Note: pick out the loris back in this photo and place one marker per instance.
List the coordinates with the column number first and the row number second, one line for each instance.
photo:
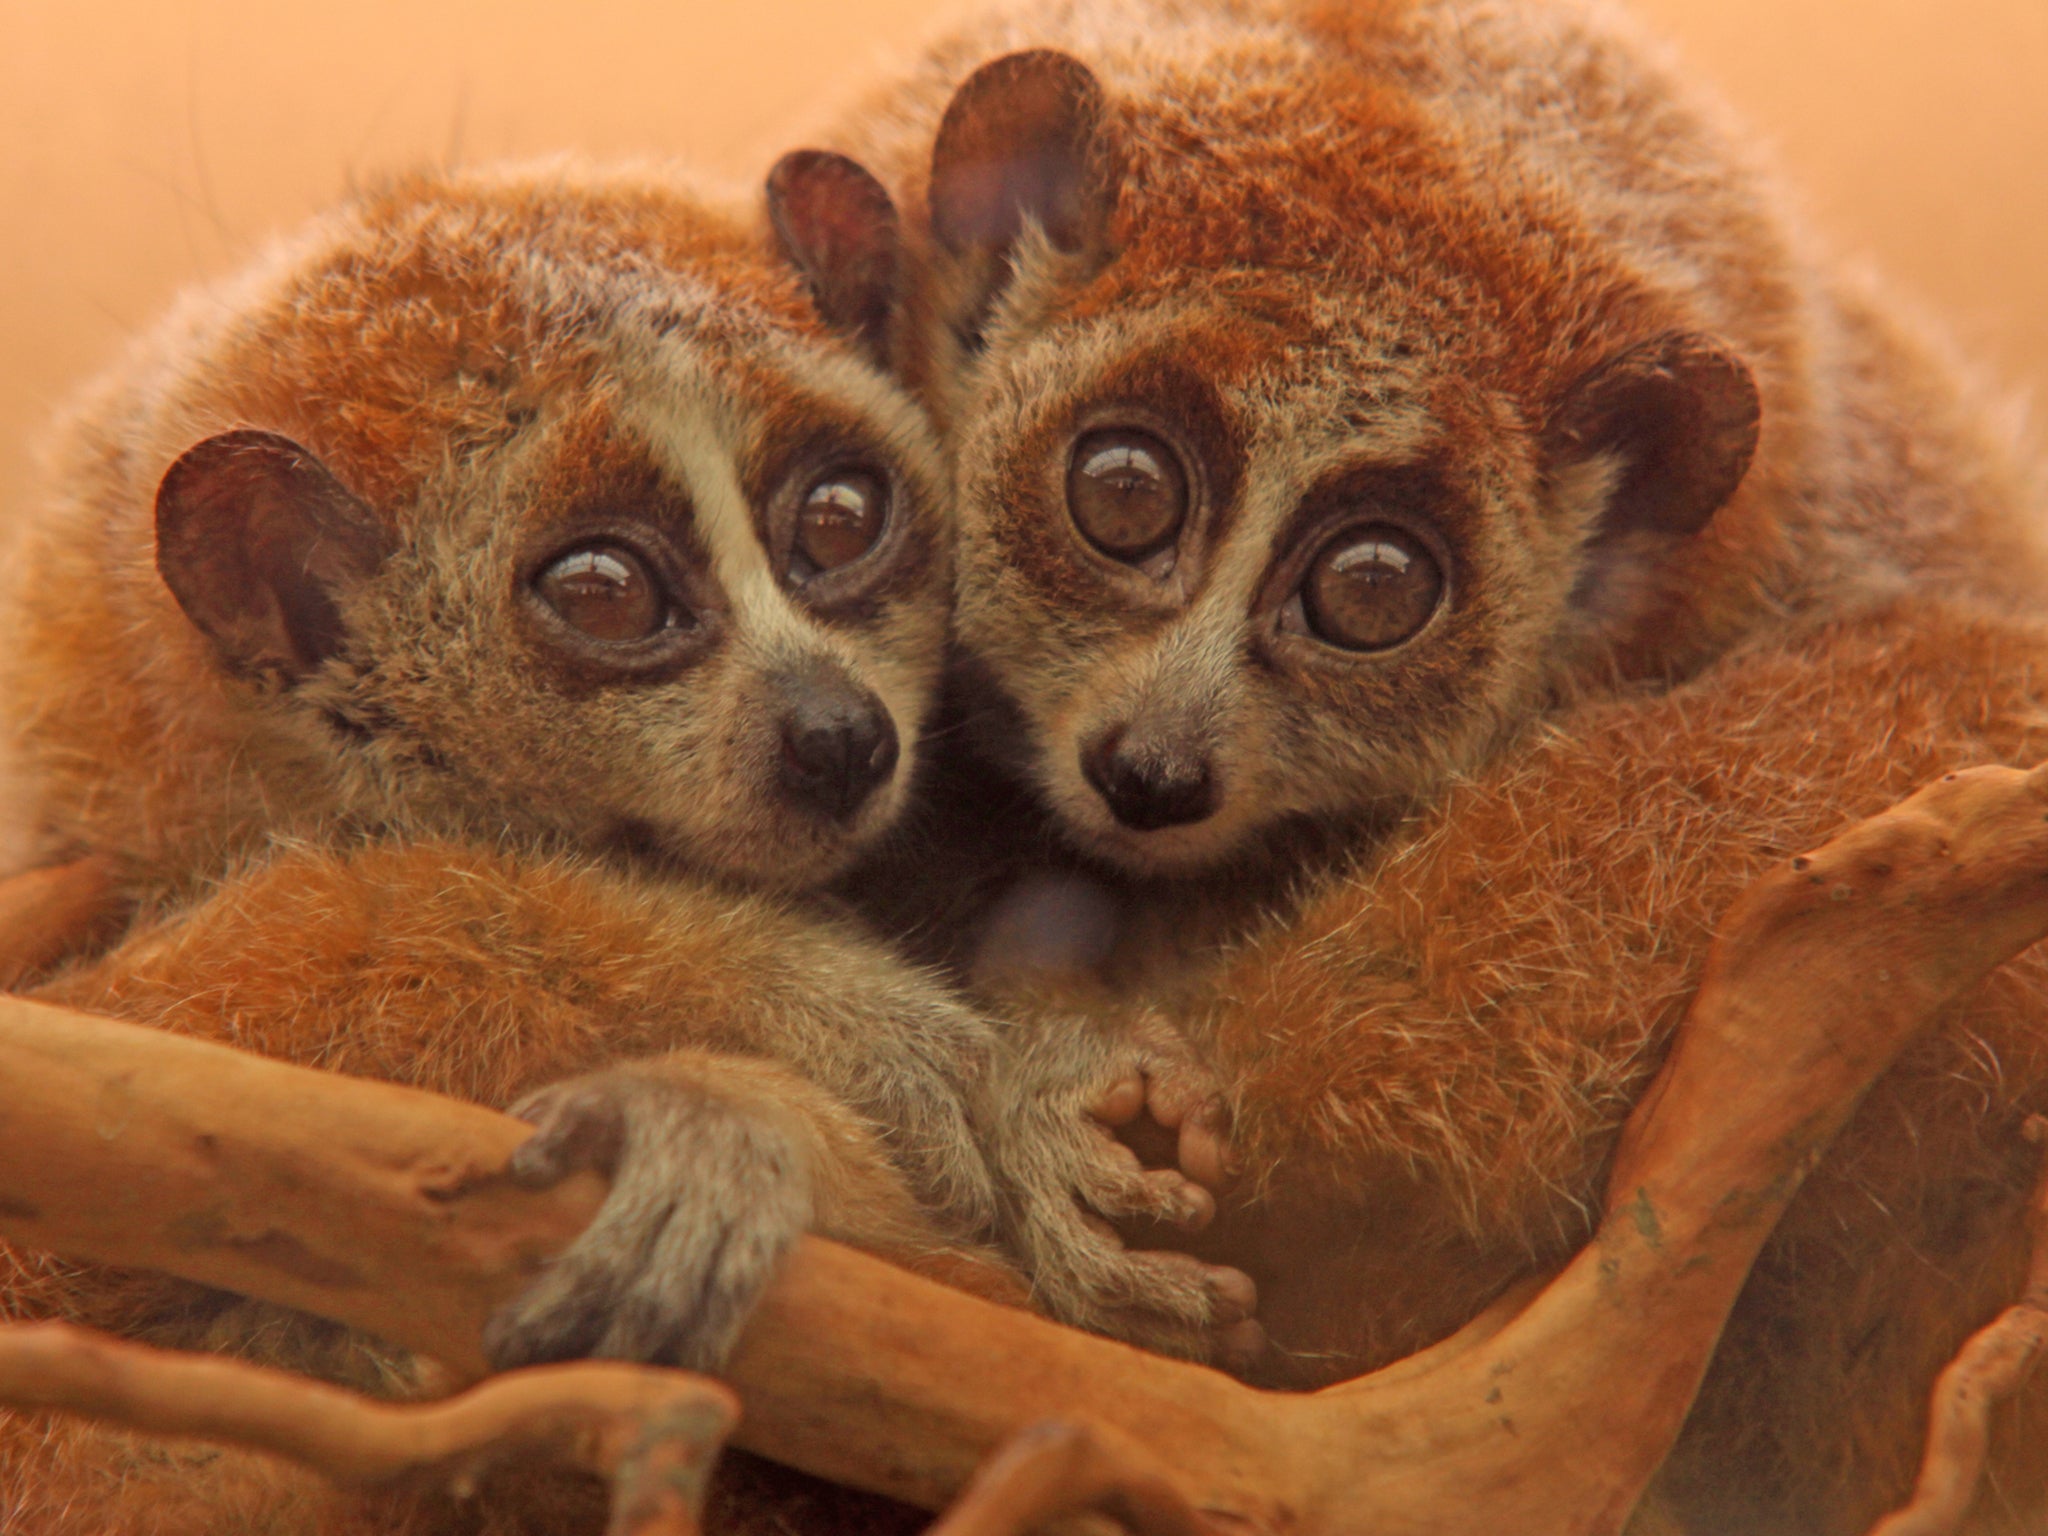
column 1433, row 527
column 478, row 627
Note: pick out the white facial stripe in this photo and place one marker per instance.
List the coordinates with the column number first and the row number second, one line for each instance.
column 1281, row 470
column 697, row 433
column 883, row 407
column 694, row 437
column 1194, row 668
column 675, row 400
column 1239, row 567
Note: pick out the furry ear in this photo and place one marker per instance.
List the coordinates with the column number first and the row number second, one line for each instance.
column 836, row 225
column 256, row 541
column 1679, row 415
column 1026, row 137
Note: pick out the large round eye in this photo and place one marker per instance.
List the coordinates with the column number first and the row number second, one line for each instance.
column 1371, row 588
column 1126, row 492
column 840, row 519
column 607, row 592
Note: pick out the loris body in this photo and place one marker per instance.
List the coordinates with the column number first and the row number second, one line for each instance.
column 1431, row 531
column 490, row 975
column 476, row 625
column 575, row 481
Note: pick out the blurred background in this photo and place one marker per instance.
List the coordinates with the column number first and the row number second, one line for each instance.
column 152, row 142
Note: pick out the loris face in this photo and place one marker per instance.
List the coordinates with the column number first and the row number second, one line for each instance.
column 605, row 535
column 1249, row 540
column 1234, row 567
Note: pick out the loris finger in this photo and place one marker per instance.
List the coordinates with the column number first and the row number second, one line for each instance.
column 1119, row 1187
column 1122, row 1102
column 1174, row 1091
column 1232, row 1295
column 1236, row 1293
column 577, row 1125
column 1169, row 1302
column 686, row 1305
column 1205, row 1155
column 1178, row 1200
column 1241, row 1346
column 1229, row 1296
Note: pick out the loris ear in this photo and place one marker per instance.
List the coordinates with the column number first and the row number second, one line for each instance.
column 837, row 226
column 1677, row 415
column 257, row 541
column 1027, row 137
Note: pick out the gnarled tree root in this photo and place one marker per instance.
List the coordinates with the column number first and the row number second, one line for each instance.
column 1071, row 1467
column 1992, row 1366
column 386, row 1209
column 655, row 1433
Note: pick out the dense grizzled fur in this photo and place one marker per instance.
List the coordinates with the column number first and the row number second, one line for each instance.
column 487, row 975
column 1434, row 934
column 401, row 831
column 489, row 365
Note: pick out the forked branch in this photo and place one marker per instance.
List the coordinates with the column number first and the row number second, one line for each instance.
column 655, row 1433
column 385, row 1209
column 1988, row 1370
column 1071, row 1467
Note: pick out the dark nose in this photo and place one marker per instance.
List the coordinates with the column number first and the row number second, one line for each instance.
column 838, row 745
column 1148, row 789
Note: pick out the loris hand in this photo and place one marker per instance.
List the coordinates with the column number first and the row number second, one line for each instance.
column 1067, row 1177
column 1166, row 1095
column 709, row 1192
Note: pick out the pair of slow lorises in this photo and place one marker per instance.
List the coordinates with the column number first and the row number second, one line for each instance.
column 1256, row 572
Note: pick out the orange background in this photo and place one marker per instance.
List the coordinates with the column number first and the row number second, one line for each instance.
column 150, row 142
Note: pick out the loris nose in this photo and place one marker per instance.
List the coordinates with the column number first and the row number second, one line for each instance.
column 1148, row 790
column 838, row 746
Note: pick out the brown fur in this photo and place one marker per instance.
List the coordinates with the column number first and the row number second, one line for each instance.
column 453, row 851
column 489, row 364
column 485, row 976
column 1435, row 934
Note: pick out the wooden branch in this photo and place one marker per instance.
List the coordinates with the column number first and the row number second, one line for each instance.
column 1992, row 1366
column 655, row 1433
column 384, row 1209
column 1068, row 1467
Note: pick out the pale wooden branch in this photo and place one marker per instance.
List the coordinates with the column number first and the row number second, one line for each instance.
column 655, row 1433
column 385, row 1209
column 1991, row 1367
column 1070, row 1467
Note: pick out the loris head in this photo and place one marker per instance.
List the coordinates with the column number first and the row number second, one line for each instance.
column 563, row 504
column 1296, row 458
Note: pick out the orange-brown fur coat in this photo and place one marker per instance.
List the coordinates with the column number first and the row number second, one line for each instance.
column 482, row 975
column 1435, row 936
column 442, row 857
